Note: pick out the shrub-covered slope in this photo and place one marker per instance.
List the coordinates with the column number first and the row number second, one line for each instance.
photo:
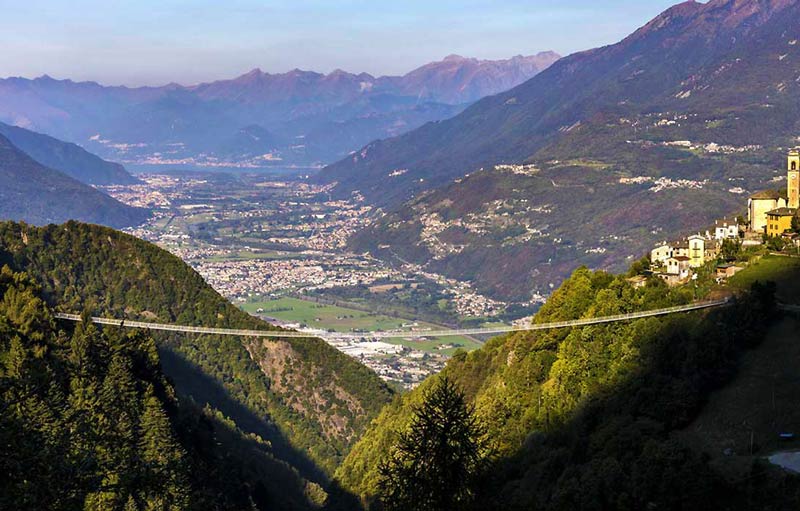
column 308, row 399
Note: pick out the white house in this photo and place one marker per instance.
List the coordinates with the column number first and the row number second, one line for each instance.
column 660, row 254
column 679, row 265
column 726, row 229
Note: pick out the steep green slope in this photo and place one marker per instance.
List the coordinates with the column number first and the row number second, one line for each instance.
column 34, row 193
column 306, row 398
column 583, row 418
column 89, row 421
column 68, row 158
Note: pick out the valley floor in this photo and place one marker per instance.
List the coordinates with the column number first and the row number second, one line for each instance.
column 265, row 241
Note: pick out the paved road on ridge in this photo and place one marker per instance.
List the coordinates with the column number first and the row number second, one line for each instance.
column 394, row 334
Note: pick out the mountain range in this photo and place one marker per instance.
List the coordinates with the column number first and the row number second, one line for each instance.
column 311, row 118
column 596, row 158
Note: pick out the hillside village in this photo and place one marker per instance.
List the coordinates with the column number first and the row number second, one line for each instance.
column 772, row 219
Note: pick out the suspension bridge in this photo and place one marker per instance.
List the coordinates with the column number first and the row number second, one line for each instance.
column 125, row 323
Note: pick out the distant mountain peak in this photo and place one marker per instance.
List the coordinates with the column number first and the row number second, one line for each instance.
column 678, row 12
column 708, row 20
column 251, row 76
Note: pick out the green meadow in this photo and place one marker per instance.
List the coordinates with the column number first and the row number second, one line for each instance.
column 342, row 319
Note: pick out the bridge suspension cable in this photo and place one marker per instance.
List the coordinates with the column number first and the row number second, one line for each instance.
column 394, row 334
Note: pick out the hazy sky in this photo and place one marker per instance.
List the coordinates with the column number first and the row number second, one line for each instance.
column 187, row 41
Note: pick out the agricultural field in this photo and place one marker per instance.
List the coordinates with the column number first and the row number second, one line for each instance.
column 341, row 319
column 249, row 255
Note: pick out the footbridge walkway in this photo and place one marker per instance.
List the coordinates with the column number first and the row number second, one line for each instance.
column 394, row 334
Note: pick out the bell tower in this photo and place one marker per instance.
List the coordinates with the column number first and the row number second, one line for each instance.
column 793, row 179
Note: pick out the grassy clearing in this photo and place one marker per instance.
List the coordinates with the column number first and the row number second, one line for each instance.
column 592, row 164
column 784, row 271
column 341, row 319
column 322, row 316
column 246, row 255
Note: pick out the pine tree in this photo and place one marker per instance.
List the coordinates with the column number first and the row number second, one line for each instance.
column 116, row 418
column 435, row 463
column 163, row 458
column 130, row 505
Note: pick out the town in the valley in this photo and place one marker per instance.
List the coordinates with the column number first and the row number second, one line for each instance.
column 276, row 247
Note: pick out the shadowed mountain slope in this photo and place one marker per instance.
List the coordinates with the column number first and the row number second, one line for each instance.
column 588, row 418
column 40, row 195
column 68, row 158
column 90, row 421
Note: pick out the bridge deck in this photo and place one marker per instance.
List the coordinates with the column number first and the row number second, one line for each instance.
column 384, row 335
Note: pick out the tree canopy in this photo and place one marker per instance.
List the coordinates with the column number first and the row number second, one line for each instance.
column 435, row 462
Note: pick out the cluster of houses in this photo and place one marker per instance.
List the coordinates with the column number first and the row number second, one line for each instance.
column 769, row 213
column 675, row 262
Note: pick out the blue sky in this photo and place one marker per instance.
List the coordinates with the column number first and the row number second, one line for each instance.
column 187, row 41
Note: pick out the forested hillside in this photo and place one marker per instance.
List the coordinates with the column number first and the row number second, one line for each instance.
column 585, row 418
column 89, row 421
column 308, row 400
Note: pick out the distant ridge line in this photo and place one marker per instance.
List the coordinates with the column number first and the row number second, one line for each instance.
column 387, row 335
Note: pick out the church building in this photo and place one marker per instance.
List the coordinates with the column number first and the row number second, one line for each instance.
column 793, row 183
column 764, row 207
